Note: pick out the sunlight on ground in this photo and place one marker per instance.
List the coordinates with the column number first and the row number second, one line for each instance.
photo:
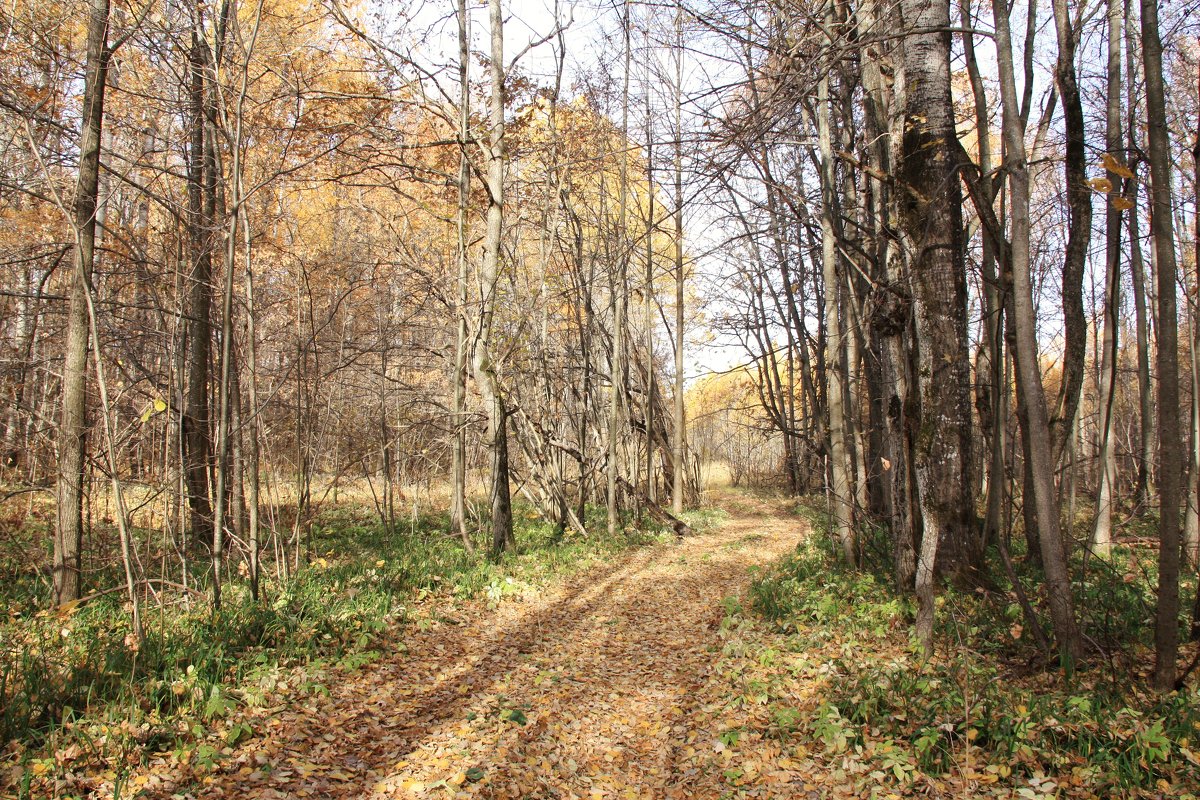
column 588, row 690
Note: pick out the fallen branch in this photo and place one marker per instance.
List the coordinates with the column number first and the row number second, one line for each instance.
column 147, row 582
column 659, row 513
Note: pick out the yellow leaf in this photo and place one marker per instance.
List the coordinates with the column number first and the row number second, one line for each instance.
column 68, row 608
column 1101, row 184
column 156, row 407
column 1116, row 167
column 1122, row 203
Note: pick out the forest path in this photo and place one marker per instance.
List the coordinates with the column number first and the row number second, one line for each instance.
column 593, row 688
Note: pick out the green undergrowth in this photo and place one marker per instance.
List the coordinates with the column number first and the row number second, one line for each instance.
column 705, row 518
column 77, row 682
column 986, row 711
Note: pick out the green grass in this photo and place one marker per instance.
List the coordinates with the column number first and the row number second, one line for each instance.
column 705, row 518
column 879, row 697
column 79, row 678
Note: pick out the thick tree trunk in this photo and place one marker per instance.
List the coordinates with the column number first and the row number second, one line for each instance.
column 890, row 305
column 930, row 203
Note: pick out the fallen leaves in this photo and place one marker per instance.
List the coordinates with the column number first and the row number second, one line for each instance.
column 591, row 689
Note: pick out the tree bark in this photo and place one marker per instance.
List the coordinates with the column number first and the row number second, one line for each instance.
column 1137, row 269
column 458, row 477
column 930, row 207
column 1036, row 429
column 680, row 454
column 197, row 445
column 840, row 498
column 1079, row 232
column 617, row 411
column 1166, row 624
column 73, row 424
column 1114, row 142
column 485, row 369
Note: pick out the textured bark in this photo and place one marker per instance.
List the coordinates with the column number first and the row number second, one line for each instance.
column 889, row 313
column 1166, row 624
column 617, row 412
column 1137, row 270
column 196, row 437
column 1191, row 532
column 930, row 207
column 73, row 423
column 1079, row 231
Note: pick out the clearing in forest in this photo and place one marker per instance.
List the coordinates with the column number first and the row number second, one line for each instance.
column 594, row 688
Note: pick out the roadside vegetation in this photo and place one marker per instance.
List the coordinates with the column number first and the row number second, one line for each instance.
column 78, row 691
column 834, row 659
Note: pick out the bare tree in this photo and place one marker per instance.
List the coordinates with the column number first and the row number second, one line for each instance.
column 72, row 430
column 489, row 274
column 1036, row 423
column 1170, row 462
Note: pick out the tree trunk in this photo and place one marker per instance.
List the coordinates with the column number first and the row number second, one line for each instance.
column 840, row 498
column 1191, row 537
column 1036, row 429
column 72, row 431
column 252, row 441
column 617, row 411
column 485, row 369
column 1079, row 203
column 1166, row 625
column 197, row 446
column 930, row 206
column 1114, row 142
column 1137, row 270
column 992, row 395
column 680, row 454
column 458, row 478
